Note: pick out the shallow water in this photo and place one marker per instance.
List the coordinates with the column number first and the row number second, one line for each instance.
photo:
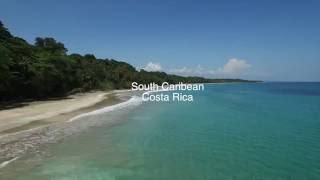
column 230, row 131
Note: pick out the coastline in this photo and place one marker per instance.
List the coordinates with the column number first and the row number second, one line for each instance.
column 48, row 122
column 43, row 110
column 39, row 113
column 42, row 122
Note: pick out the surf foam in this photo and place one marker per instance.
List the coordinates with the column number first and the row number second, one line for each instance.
column 134, row 100
column 5, row 163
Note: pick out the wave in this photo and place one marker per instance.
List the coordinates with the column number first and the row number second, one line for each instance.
column 5, row 163
column 134, row 100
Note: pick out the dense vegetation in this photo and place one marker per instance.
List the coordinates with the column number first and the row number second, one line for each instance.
column 44, row 69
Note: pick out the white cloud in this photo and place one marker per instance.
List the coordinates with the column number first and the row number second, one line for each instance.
column 233, row 68
column 199, row 70
column 153, row 67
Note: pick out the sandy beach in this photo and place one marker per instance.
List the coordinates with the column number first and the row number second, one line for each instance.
column 25, row 128
column 34, row 111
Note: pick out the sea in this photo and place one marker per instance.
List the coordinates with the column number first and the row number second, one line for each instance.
column 244, row 131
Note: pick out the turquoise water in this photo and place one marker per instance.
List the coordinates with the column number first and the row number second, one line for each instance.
column 230, row 131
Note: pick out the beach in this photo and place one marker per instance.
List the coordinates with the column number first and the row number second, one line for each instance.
column 230, row 131
column 23, row 129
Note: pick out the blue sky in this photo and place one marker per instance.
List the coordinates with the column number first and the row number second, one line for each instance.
column 268, row 39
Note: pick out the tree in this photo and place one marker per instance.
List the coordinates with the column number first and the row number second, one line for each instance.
column 4, row 33
column 45, row 70
column 50, row 45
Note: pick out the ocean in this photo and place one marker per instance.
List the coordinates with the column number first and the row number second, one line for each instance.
column 230, row 131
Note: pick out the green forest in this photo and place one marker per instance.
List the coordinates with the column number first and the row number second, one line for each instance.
column 45, row 69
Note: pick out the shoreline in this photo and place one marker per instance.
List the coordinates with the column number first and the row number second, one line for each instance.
column 51, row 125
column 40, row 113
column 43, row 110
column 23, row 138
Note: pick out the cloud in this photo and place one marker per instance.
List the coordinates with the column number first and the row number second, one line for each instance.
column 153, row 67
column 199, row 71
column 233, row 68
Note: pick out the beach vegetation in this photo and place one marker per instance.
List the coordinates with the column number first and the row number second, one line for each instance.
column 45, row 69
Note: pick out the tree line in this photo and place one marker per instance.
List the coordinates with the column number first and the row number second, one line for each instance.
column 44, row 69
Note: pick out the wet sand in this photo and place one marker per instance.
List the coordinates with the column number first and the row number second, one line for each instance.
column 47, row 122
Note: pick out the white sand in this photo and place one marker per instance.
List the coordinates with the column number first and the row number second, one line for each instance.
column 60, row 114
column 46, row 109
